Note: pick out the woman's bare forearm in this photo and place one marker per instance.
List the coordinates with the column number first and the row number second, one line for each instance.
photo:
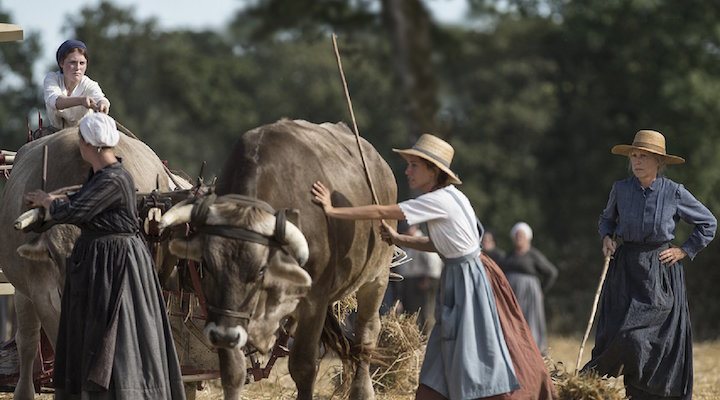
column 366, row 212
column 422, row 243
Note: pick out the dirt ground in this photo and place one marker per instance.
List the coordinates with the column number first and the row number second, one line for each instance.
column 564, row 350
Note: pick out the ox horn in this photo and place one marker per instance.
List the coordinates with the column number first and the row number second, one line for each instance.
column 178, row 214
column 28, row 218
column 297, row 242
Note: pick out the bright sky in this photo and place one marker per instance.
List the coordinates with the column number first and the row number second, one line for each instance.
column 48, row 16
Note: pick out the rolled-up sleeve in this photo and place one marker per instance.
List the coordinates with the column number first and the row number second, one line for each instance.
column 608, row 218
column 51, row 91
column 695, row 213
column 94, row 91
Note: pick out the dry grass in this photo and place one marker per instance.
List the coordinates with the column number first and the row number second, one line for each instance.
column 400, row 351
column 587, row 386
column 706, row 357
column 563, row 350
column 343, row 308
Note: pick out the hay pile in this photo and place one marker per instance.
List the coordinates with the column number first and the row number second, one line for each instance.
column 396, row 362
column 583, row 386
column 344, row 307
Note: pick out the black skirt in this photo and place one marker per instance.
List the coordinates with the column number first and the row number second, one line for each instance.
column 643, row 326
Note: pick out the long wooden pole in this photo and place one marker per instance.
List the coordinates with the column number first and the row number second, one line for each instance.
column 352, row 116
column 592, row 313
column 44, row 168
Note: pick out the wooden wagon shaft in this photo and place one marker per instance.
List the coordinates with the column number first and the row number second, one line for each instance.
column 6, row 288
column 7, row 158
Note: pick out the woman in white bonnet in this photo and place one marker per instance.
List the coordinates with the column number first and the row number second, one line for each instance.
column 530, row 275
column 480, row 347
column 114, row 339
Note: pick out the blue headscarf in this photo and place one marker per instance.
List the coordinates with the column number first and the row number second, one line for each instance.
column 66, row 47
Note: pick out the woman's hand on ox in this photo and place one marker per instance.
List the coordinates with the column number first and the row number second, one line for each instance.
column 672, row 255
column 321, row 196
column 609, row 246
column 38, row 198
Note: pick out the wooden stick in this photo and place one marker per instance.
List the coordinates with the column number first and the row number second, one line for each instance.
column 352, row 115
column 592, row 313
column 44, row 167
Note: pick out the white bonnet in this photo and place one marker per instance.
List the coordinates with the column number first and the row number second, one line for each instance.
column 99, row 130
column 521, row 226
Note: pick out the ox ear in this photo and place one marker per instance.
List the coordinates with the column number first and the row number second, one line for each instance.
column 36, row 249
column 286, row 277
column 190, row 249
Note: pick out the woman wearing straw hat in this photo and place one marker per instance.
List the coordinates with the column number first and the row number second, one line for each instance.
column 114, row 339
column 69, row 94
column 643, row 327
column 478, row 347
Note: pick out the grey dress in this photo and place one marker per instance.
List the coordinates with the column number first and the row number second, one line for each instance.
column 114, row 340
column 530, row 274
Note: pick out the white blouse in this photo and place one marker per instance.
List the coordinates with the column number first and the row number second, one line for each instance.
column 54, row 87
column 448, row 226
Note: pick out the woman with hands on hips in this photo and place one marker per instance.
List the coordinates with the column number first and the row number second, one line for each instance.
column 643, row 330
column 472, row 351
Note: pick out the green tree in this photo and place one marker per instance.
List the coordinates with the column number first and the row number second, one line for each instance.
column 18, row 87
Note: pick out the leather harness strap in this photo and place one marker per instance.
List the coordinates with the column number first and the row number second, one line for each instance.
column 201, row 209
column 198, row 219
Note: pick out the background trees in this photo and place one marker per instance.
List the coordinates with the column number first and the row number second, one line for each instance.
column 532, row 93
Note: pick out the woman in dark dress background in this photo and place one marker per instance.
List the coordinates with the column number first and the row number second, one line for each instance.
column 530, row 274
column 114, row 340
column 643, row 330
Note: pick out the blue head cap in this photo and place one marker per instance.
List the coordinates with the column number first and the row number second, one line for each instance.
column 66, row 47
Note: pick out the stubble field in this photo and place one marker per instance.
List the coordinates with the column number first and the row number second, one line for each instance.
column 562, row 350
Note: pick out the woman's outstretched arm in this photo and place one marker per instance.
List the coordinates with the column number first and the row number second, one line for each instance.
column 321, row 196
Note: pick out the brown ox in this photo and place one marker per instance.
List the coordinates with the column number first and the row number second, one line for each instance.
column 252, row 287
column 38, row 275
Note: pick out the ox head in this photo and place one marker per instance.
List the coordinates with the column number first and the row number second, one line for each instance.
column 251, row 278
column 53, row 245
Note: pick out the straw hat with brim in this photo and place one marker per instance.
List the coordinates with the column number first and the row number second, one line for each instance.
column 650, row 141
column 10, row 33
column 435, row 150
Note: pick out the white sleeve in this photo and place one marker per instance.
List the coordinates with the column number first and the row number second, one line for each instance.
column 51, row 91
column 92, row 89
column 424, row 208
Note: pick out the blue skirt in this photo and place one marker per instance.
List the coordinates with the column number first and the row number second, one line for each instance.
column 466, row 355
column 643, row 330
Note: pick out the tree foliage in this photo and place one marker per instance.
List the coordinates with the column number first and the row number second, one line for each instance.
column 532, row 93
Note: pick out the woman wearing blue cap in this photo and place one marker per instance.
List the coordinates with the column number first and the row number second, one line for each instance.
column 69, row 94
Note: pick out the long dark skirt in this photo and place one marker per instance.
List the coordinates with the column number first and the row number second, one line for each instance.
column 643, row 327
column 114, row 340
